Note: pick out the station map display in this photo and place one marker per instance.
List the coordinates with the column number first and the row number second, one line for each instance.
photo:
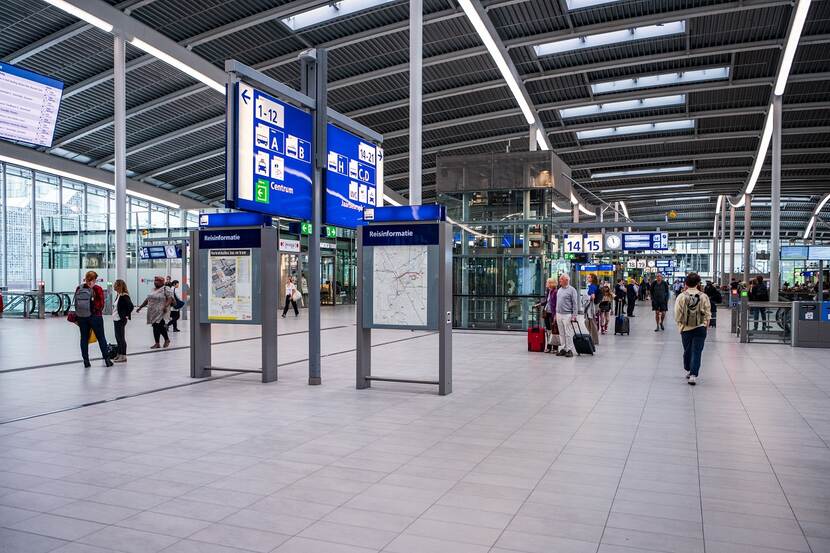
column 400, row 289
column 230, row 285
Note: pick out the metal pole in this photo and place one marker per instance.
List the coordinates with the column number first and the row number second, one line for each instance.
column 775, row 200
column 722, row 274
column 120, row 141
column 715, row 258
column 576, row 213
column 5, row 232
column 731, row 243
column 34, row 231
column 416, row 53
column 314, row 75
column 465, row 261
column 747, row 233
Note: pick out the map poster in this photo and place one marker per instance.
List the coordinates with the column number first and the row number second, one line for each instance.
column 230, row 285
column 400, row 286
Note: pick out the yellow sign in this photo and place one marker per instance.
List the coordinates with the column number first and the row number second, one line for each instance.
column 672, row 214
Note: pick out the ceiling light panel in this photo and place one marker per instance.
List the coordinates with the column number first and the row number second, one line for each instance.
column 665, row 79
column 610, row 38
column 639, row 172
column 329, row 12
column 663, row 126
column 625, row 105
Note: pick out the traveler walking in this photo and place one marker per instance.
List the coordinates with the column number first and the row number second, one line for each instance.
column 659, row 301
column 758, row 292
column 604, row 314
column 89, row 310
column 567, row 309
column 290, row 293
column 692, row 313
column 619, row 297
column 631, row 296
column 590, row 307
column 715, row 298
column 175, row 307
column 121, row 313
column 548, row 305
column 158, row 303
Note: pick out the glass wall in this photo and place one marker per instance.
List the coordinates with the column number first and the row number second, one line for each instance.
column 53, row 229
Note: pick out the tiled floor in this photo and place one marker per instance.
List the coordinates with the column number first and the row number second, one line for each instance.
column 531, row 453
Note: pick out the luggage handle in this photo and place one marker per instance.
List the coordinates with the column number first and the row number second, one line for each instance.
column 577, row 327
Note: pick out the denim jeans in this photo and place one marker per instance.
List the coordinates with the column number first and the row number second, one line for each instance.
column 759, row 312
column 693, row 341
column 94, row 323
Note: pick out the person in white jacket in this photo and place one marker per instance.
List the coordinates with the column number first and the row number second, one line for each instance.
column 290, row 291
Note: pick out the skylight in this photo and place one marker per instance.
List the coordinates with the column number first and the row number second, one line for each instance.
column 329, row 12
column 662, row 126
column 580, row 4
column 625, row 105
column 613, row 37
column 648, row 171
column 665, row 79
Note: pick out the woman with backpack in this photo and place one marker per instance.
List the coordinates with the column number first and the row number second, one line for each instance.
column 158, row 304
column 175, row 309
column 121, row 312
column 692, row 312
column 88, row 315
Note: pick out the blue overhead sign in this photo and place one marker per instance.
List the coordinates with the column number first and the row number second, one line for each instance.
column 645, row 241
column 234, row 219
column 417, row 234
column 404, row 213
column 354, row 176
column 273, row 169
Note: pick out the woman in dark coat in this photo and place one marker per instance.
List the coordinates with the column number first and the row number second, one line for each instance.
column 631, row 296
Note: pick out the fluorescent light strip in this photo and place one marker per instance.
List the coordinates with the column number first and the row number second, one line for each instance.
column 81, row 14
column 792, row 45
column 626, row 105
column 610, row 38
column 664, row 126
column 499, row 60
column 684, row 199
column 580, row 4
column 81, row 178
column 389, row 200
column 540, row 140
column 181, row 66
column 559, row 209
column 720, row 203
column 636, row 188
column 665, row 79
column 330, row 11
column 762, row 153
column 585, row 210
column 813, row 218
column 648, row 171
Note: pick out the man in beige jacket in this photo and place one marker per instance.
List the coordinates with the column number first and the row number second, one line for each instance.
column 692, row 312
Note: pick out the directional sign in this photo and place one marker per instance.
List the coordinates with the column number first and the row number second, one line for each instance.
column 273, row 158
column 29, row 105
column 573, row 243
column 592, row 243
column 353, row 177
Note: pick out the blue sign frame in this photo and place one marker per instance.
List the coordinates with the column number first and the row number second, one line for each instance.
column 406, row 213
column 272, row 165
column 353, row 168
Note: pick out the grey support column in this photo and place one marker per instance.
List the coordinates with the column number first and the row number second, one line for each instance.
column 465, row 261
column 731, row 243
column 120, row 142
column 200, row 358
column 364, row 335
column 721, row 276
column 575, row 212
column 445, row 313
column 416, row 54
column 715, row 252
column 270, row 302
column 775, row 201
column 747, row 234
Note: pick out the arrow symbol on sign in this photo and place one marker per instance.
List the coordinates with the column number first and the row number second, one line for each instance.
column 245, row 96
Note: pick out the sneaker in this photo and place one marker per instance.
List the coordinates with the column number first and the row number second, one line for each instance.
column 120, row 359
column 561, row 353
column 569, row 353
column 692, row 380
column 688, row 374
column 662, row 327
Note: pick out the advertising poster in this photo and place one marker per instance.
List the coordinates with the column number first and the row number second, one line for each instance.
column 230, row 285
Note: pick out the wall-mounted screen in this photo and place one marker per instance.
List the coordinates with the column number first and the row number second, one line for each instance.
column 29, row 105
column 819, row 253
column 793, row 252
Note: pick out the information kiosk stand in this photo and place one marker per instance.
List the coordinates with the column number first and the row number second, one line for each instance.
column 232, row 278
column 405, row 282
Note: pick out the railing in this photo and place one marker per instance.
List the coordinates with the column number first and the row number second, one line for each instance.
column 497, row 311
column 34, row 305
column 765, row 321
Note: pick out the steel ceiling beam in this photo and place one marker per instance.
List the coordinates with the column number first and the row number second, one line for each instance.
column 198, row 184
column 180, row 164
column 692, row 157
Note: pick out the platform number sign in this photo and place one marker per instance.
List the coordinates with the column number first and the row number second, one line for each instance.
column 573, row 243
column 592, row 243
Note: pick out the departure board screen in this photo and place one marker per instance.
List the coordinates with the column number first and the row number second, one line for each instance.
column 29, row 105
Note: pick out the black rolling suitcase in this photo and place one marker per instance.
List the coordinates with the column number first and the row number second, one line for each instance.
column 583, row 344
column 622, row 325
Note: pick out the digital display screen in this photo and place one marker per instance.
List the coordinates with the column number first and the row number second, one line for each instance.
column 153, row 252
column 819, row 253
column 273, row 156
column 353, row 172
column 645, row 241
column 793, row 252
column 29, row 105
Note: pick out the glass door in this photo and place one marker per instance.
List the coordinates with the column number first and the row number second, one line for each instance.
column 328, row 284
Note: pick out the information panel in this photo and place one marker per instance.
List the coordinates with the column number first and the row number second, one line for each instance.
column 645, row 241
column 794, row 252
column 29, row 105
column 819, row 253
column 354, row 177
column 273, row 158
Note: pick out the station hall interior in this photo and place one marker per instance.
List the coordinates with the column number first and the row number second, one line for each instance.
column 426, row 276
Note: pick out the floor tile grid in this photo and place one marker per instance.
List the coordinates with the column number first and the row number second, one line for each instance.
column 761, row 443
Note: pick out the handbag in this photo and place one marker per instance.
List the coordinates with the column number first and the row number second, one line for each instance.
column 72, row 317
column 296, row 296
column 92, row 337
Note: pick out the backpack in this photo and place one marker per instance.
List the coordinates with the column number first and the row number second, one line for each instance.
column 693, row 311
column 83, row 301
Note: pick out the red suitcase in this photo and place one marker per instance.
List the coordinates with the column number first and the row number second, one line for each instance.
column 536, row 338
